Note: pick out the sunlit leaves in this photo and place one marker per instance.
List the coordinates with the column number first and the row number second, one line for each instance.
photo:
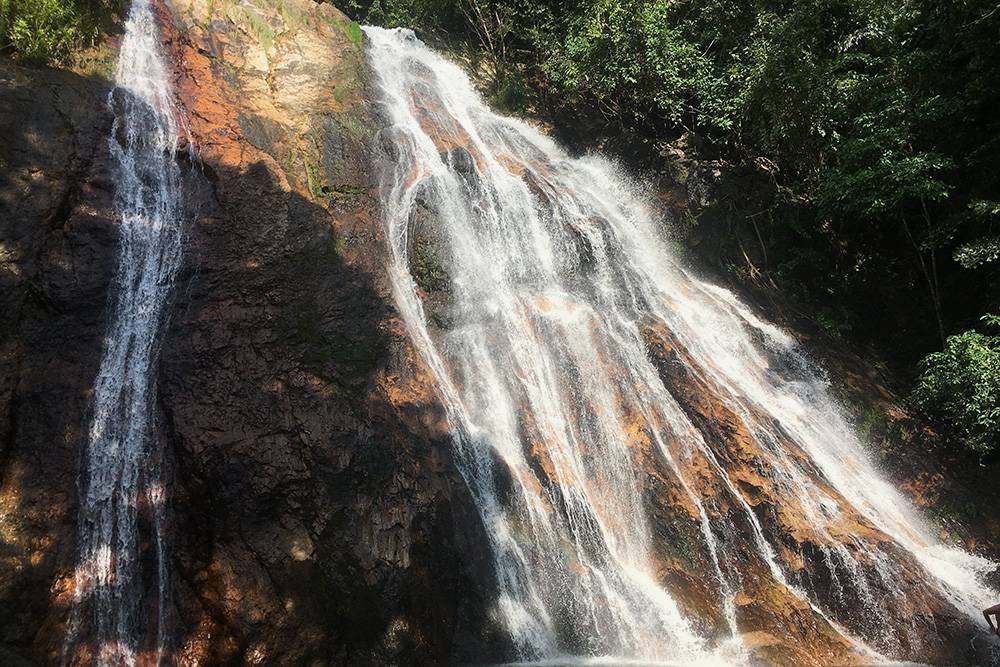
column 978, row 253
column 48, row 31
column 961, row 384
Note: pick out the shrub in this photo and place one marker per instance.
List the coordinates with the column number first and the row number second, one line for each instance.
column 47, row 31
column 961, row 385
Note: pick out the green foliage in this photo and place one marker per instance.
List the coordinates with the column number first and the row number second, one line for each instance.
column 982, row 216
column 833, row 323
column 631, row 56
column 977, row 253
column 878, row 122
column 44, row 30
column 961, row 384
column 425, row 14
column 48, row 31
column 510, row 93
column 877, row 171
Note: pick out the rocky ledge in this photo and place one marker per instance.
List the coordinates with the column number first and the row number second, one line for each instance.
column 317, row 515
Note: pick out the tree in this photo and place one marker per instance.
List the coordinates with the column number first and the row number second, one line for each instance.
column 961, row 385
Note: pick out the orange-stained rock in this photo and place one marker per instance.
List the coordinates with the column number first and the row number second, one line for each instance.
column 317, row 512
column 765, row 604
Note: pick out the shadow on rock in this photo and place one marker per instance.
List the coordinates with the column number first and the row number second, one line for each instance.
column 318, row 516
column 57, row 248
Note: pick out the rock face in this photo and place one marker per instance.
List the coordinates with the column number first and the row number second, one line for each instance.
column 709, row 206
column 317, row 515
column 319, row 518
column 57, row 252
column 743, row 488
column 782, row 627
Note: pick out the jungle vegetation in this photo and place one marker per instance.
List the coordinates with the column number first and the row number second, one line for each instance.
column 877, row 121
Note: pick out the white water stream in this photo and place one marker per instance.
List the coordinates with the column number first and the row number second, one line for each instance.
column 120, row 478
column 554, row 267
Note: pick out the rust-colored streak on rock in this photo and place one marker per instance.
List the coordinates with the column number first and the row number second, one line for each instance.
column 318, row 512
column 730, row 438
column 764, row 605
column 318, row 517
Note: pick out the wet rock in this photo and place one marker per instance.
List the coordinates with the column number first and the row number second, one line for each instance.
column 318, row 516
column 296, row 408
column 461, row 161
column 841, row 565
column 57, row 250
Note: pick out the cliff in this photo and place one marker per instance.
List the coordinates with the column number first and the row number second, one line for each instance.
column 316, row 512
column 56, row 260
column 318, row 515
column 705, row 205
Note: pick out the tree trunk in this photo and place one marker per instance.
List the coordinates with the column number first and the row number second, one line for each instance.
column 931, row 279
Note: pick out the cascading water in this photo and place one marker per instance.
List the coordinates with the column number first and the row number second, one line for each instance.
column 121, row 467
column 550, row 273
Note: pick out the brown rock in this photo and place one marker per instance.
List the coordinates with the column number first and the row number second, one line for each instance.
column 319, row 517
column 56, row 259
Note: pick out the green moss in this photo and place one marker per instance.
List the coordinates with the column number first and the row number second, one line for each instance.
column 353, row 32
column 357, row 127
column 428, row 270
column 292, row 16
column 262, row 31
column 337, row 246
column 343, row 92
column 99, row 61
column 313, row 180
column 351, row 29
column 345, row 195
column 251, row 23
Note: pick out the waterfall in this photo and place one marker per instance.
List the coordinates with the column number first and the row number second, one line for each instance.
column 120, row 479
column 530, row 282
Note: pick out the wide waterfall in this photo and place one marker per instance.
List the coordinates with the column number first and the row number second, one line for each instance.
column 541, row 293
column 120, row 480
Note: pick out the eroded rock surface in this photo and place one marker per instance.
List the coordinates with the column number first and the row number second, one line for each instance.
column 319, row 517
column 57, row 252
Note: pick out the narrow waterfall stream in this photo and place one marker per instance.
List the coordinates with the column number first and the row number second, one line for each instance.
column 120, row 475
column 538, row 289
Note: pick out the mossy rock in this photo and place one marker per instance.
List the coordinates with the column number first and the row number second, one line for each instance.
column 426, row 267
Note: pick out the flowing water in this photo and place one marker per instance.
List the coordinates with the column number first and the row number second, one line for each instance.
column 529, row 281
column 120, row 477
